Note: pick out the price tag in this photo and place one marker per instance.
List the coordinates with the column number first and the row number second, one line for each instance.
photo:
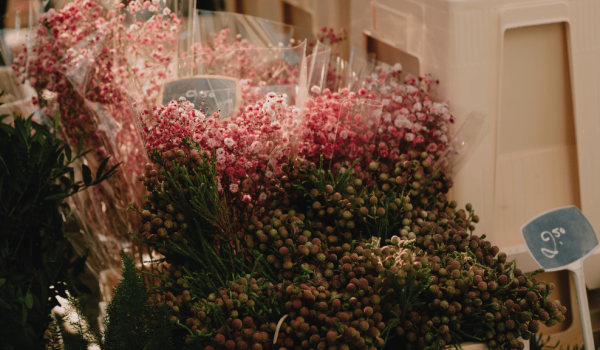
column 218, row 92
column 561, row 239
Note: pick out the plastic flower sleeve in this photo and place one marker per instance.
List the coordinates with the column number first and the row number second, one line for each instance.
column 17, row 40
column 88, row 94
column 318, row 67
column 111, row 122
column 463, row 143
column 258, row 32
column 337, row 73
column 340, row 127
column 97, row 223
column 87, row 239
column 335, row 68
column 257, row 52
column 226, row 81
column 80, row 60
column 357, row 134
column 224, row 32
column 359, row 66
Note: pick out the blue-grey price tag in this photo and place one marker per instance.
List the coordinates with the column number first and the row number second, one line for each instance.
column 218, row 93
column 559, row 237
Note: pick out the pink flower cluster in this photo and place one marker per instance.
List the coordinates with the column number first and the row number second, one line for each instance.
column 79, row 60
column 385, row 119
column 80, row 53
column 390, row 119
column 249, row 148
column 329, row 37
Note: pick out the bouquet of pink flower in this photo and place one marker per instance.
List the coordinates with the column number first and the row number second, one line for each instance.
column 77, row 61
column 397, row 117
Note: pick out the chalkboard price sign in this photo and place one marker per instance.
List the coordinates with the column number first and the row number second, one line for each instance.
column 559, row 237
column 218, row 92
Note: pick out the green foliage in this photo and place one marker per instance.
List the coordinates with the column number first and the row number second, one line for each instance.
column 37, row 261
column 80, row 334
column 162, row 331
column 197, row 197
column 53, row 336
column 129, row 312
column 130, row 323
column 200, row 191
column 538, row 343
column 83, row 326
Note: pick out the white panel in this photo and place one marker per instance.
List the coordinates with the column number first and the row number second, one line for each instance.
column 529, row 183
column 392, row 25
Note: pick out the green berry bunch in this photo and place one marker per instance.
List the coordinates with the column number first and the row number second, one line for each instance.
column 323, row 260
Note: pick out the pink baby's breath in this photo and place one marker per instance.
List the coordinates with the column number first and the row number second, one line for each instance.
column 249, row 146
column 229, row 142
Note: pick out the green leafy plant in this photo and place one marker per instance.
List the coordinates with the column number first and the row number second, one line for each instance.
column 80, row 335
column 130, row 323
column 37, row 261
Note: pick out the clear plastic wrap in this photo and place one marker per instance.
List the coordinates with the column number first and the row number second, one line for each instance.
column 231, row 44
column 318, row 68
column 356, row 132
column 225, row 75
column 464, row 142
column 12, row 41
column 259, row 32
column 337, row 73
column 260, row 70
column 17, row 97
column 359, row 67
column 110, row 123
column 413, row 115
column 16, row 36
column 265, row 56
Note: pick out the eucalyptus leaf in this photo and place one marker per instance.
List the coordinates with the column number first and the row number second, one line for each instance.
column 61, row 158
column 24, row 321
column 28, row 300
column 65, row 181
column 87, row 174
column 80, row 144
column 101, row 167
column 68, row 153
column 56, row 196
